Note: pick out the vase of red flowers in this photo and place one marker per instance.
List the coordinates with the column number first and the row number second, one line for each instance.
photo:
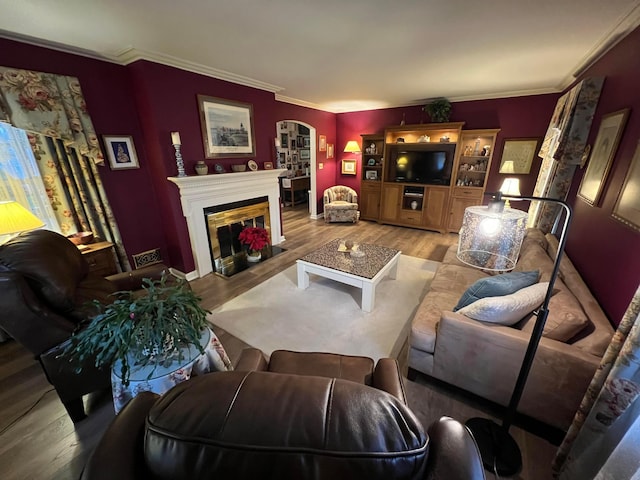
column 255, row 238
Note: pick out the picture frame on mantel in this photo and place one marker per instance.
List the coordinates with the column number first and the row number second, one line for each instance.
column 626, row 208
column 604, row 149
column 121, row 152
column 227, row 127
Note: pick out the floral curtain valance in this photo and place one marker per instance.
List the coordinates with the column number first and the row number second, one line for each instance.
column 52, row 105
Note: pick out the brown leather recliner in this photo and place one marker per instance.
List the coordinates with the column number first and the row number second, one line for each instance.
column 44, row 290
column 302, row 415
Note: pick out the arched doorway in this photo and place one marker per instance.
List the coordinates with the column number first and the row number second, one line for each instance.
column 296, row 150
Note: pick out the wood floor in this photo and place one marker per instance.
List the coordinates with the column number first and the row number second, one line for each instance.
column 39, row 441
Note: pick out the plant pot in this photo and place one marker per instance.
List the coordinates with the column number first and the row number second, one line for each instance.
column 254, row 257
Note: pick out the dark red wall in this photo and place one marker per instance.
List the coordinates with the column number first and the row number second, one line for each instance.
column 605, row 250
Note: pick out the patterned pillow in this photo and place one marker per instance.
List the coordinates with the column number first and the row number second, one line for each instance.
column 496, row 286
column 507, row 309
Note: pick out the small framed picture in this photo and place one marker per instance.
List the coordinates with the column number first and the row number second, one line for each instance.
column 322, row 143
column 329, row 150
column 305, row 154
column 371, row 175
column 268, row 165
column 121, row 152
column 284, row 140
column 348, row 167
column 293, row 144
column 306, row 142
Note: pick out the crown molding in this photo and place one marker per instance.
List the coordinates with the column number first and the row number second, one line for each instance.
column 130, row 55
column 300, row 103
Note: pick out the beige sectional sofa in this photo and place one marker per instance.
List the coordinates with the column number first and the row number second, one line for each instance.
column 485, row 358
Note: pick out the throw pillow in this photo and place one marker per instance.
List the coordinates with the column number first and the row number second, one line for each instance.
column 507, row 309
column 496, row 286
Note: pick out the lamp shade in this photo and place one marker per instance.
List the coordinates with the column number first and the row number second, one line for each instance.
column 352, row 147
column 507, row 167
column 510, row 186
column 491, row 240
column 14, row 218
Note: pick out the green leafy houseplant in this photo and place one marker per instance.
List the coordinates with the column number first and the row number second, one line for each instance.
column 145, row 329
column 438, row 110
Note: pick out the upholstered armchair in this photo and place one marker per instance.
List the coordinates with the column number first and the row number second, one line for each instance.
column 341, row 204
column 45, row 290
column 299, row 415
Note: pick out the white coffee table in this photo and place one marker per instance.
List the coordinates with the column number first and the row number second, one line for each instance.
column 364, row 272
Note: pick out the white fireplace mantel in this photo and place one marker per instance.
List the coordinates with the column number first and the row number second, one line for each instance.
column 203, row 191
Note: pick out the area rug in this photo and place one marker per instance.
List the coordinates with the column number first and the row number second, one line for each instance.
column 326, row 317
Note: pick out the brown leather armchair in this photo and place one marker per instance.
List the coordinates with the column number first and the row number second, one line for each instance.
column 44, row 290
column 301, row 415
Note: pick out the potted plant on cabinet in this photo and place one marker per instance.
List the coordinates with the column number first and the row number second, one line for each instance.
column 143, row 329
column 256, row 238
column 438, row 110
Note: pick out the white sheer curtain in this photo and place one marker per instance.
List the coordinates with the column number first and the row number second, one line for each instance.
column 20, row 179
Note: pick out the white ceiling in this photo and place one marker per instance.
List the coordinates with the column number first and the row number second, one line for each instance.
column 342, row 55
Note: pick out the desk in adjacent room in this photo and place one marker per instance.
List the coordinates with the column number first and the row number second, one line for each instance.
column 293, row 185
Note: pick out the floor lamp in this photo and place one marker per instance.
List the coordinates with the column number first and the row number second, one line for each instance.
column 490, row 238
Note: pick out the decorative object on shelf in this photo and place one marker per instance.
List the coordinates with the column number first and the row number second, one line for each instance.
column 227, row 127
column 14, row 218
column 330, row 150
column 253, row 166
column 218, row 168
column 626, row 207
column 348, row 167
column 322, row 143
column 500, row 231
column 438, row 110
column 424, row 139
column 371, row 175
column 255, row 238
column 121, row 152
column 150, row 329
column 485, row 150
column 241, row 167
column 445, row 139
column 413, row 205
column 399, row 140
column 352, row 147
column 201, row 167
column 604, row 149
column 268, row 165
column 402, row 122
column 371, row 162
column 175, row 141
column 520, row 152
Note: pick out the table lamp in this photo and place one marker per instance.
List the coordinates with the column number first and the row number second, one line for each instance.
column 510, row 186
column 490, row 238
column 14, row 218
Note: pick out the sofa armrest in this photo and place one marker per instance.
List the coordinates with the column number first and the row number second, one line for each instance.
column 453, row 453
column 119, row 455
column 387, row 377
column 485, row 359
column 133, row 280
column 251, row 360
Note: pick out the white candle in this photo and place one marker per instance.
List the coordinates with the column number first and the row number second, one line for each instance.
column 175, row 138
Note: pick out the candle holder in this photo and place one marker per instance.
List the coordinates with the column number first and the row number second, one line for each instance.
column 179, row 162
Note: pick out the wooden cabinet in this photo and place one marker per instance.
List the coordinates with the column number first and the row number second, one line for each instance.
column 411, row 205
column 390, row 202
column 435, row 208
column 371, row 176
column 475, row 153
column 100, row 257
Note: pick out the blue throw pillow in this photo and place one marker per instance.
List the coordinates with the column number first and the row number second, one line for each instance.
column 497, row 286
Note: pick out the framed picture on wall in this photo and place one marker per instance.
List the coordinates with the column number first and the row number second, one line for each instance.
column 627, row 207
column 329, row 150
column 604, row 149
column 305, row 154
column 348, row 167
column 322, row 143
column 121, row 152
column 227, row 127
column 518, row 154
column 284, row 140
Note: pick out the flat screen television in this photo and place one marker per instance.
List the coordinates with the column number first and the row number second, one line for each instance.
column 426, row 164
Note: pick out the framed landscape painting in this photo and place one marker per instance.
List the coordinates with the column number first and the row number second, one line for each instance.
column 627, row 207
column 604, row 149
column 227, row 127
